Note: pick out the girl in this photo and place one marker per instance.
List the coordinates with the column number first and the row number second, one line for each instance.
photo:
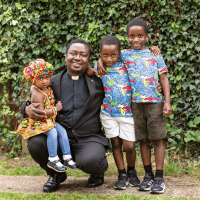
column 38, row 73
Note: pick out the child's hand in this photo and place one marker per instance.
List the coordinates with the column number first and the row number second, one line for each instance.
column 90, row 71
column 159, row 88
column 167, row 109
column 155, row 50
column 59, row 106
column 101, row 68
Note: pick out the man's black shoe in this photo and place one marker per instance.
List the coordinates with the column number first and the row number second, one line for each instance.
column 54, row 181
column 95, row 180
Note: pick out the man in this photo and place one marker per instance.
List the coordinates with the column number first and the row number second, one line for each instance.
column 81, row 97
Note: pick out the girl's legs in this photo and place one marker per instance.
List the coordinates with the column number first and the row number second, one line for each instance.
column 65, row 146
column 52, row 142
column 63, row 139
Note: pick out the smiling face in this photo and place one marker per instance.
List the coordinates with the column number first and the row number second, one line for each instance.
column 42, row 81
column 137, row 37
column 77, row 58
column 109, row 54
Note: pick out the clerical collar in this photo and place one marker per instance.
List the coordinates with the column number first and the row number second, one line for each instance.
column 74, row 78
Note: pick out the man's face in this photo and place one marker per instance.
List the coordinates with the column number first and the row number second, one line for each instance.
column 109, row 54
column 77, row 58
column 137, row 37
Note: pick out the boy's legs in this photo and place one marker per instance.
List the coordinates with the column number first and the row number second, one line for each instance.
column 158, row 185
column 129, row 147
column 156, row 132
column 111, row 128
column 158, row 153
column 140, row 111
column 117, row 152
column 65, row 147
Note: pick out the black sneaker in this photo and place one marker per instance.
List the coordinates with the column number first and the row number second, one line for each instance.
column 158, row 186
column 57, row 166
column 146, row 183
column 133, row 178
column 122, row 182
column 70, row 163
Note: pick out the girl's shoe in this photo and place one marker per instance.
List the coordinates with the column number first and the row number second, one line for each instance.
column 70, row 163
column 57, row 166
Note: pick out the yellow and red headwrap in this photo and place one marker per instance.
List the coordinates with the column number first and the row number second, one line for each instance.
column 37, row 68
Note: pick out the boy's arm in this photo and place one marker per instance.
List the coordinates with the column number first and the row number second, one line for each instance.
column 167, row 109
column 90, row 71
column 101, row 68
column 155, row 50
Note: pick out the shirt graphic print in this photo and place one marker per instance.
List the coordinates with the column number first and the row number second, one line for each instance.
column 117, row 100
column 143, row 70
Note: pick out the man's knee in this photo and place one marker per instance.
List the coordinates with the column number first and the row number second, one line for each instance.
column 93, row 164
column 37, row 143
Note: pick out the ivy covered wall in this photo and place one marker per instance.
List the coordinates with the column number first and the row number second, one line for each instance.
column 31, row 29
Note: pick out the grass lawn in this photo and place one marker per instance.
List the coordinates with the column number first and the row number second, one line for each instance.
column 26, row 166
column 75, row 196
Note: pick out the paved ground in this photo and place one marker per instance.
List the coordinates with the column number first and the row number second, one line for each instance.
column 175, row 187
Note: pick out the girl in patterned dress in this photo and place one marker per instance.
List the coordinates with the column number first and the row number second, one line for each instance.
column 38, row 73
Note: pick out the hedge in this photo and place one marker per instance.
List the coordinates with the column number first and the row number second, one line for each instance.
column 42, row 28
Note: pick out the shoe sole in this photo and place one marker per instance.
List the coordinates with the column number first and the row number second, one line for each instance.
column 144, row 189
column 121, row 188
column 70, row 167
column 55, row 169
column 134, row 185
column 158, row 192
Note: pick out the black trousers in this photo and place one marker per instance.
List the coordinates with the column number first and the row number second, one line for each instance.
column 89, row 157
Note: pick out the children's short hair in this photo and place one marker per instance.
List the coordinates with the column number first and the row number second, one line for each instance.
column 110, row 40
column 78, row 41
column 137, row 22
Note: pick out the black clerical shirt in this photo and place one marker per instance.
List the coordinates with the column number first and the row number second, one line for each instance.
column 74, row 94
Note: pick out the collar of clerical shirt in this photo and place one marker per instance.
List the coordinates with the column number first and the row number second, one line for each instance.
column 74, row 78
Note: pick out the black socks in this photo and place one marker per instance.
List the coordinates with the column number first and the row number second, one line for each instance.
column 148, row 169
column 159, row 173
column 123, row 171
column 130, row 168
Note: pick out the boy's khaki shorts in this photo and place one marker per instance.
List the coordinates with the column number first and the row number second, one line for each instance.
column 149, row 121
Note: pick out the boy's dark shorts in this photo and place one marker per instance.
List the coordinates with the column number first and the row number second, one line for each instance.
column 149, row 121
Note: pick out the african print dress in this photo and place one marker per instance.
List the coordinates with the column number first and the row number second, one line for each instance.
column 29, row 127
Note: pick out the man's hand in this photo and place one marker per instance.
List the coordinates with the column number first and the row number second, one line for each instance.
column 167, row 109
column 34, row 113
column 155, row 50
column 90, row 71
column 101, row 68
column 59, row 106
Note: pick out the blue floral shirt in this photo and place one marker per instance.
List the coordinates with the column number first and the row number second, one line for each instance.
column 143, row 70
column 117, row 101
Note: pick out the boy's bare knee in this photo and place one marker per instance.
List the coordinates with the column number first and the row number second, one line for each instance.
column 157, row 143
column 144, row 142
